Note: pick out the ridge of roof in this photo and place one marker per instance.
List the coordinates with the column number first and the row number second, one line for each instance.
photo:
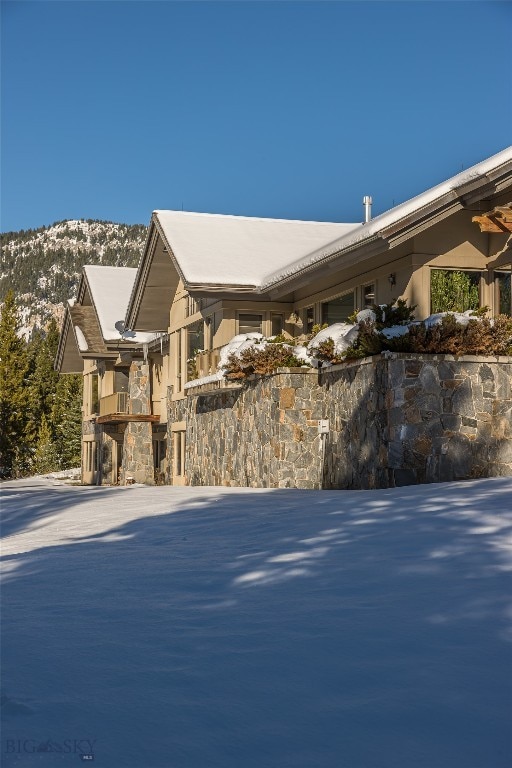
column 255, row 218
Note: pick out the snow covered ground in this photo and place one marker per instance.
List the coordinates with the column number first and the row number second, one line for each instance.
column 235, row 628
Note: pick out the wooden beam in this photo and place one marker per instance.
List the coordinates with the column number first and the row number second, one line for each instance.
column 116, row 418
column 491, row 223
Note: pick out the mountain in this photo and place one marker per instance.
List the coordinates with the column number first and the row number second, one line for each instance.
column 43, row 266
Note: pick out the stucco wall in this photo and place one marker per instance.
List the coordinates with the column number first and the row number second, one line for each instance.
column 393, row 420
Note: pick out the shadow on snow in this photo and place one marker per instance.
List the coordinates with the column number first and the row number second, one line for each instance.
column 262, row 628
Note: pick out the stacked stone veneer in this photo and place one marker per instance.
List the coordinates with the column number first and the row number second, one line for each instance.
column 262, row 435
column 405, row 419
column 394, row 420
column 137, row 463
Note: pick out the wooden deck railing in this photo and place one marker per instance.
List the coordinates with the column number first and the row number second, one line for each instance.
column 206, row 362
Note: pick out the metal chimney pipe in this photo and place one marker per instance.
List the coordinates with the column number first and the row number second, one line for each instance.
column 367, row 202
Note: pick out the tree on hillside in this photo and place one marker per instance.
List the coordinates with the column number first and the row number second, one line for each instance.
column 13, row 393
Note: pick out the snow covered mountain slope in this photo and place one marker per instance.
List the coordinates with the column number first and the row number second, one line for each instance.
column 239, row 628
column 43, row 266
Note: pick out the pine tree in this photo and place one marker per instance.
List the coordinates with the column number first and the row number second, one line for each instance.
column 67, row 420
column 42, row 380
column 45, row 455
column 13, row 392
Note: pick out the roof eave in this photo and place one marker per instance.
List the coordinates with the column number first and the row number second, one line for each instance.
column 59, row 355
column 140, row 278
column 221, row 288
column 455, row 199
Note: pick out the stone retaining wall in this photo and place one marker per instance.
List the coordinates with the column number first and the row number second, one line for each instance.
column 403, row 419
column 262, row 435
column 394, row 419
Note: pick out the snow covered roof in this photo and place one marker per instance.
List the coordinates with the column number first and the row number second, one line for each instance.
column 258, row 253
column 110, row 289
column 240, row 254
column 240, row 250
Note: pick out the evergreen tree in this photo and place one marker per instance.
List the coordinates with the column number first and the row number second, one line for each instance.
column 13, row 393
column 67, row 420
column 45, row 455
column 42, row 380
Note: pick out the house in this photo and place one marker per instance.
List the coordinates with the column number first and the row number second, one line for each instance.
column 204, row 278
column 121, row 394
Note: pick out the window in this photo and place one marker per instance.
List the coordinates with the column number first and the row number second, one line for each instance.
column 250, row 323
column 179, row 452
column 94, row 401
column 159, row 450
column 308, row 319
column 120, row 381
column 195, row 344
column 503, row 292
column 91, row 456
column 276, row 324
column 178, row 359
column 368, row 296
column 338, row 310
column 195, row 339
column 87, row 457
column 454, row 290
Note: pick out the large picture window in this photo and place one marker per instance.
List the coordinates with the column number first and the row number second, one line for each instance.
column 454, row 290
column 338, row 310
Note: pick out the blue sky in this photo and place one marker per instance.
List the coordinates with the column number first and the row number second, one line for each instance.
column 285, row 109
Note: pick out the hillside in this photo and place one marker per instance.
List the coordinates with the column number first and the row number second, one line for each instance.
column 43, row 266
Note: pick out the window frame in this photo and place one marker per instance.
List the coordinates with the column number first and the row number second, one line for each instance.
column 352, row 292
column 476, row 270
column 250, row 314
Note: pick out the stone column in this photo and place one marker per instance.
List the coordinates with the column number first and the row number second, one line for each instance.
column 138, row 440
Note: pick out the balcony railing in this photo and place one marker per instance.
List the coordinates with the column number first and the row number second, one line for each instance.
column 116, row 403
column 206, row 362
column 115, row 409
